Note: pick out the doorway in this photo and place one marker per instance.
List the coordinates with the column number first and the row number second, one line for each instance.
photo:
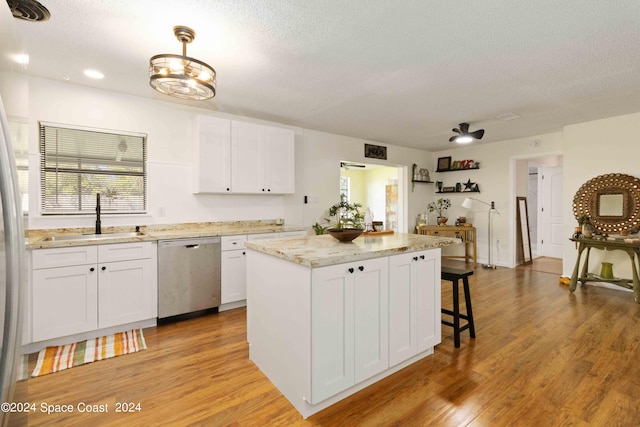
column 539, row 179
column 378, row 188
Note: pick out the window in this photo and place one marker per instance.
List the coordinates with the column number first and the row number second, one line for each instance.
column 344, row 187
column 76, row 163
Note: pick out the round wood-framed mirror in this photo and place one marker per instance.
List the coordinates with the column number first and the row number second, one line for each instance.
column 611, row 201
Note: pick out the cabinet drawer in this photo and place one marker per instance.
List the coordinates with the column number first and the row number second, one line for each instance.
column 64, row 257
column 229, row 243
column 125, row 251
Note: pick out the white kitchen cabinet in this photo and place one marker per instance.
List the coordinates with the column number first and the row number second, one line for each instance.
column 279, row 168
column 349, row 325
column 234, row 265
column 212, row 155
column 414, row 304
column 233, row 269
column 84, row 288
column 126, row 292
column 262, row 159
column 241, row 157
column 65, row 301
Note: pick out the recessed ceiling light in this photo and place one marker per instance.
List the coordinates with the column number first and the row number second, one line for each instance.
column 93, row 74
column 507, row 116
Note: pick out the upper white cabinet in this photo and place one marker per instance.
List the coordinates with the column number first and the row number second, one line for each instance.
column 243, row 158
column 212, row 155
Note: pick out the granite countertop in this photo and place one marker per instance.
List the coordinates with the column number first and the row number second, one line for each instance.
column 41, row 239
column 320, row 251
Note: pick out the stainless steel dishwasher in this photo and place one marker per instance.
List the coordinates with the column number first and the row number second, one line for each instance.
column 188, row 277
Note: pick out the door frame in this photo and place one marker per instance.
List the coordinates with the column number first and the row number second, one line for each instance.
column 512, row 198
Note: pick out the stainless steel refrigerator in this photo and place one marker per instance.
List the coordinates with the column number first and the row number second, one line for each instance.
column 12, row 255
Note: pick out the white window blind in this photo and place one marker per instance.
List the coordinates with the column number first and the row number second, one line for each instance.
column 76, row 163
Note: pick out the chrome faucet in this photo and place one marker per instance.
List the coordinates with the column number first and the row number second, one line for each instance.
column 98, row 224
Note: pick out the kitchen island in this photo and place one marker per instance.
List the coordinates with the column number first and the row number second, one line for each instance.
column 326, row 319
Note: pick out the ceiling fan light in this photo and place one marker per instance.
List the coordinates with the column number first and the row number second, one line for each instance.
column 463, row 139
column 181, row 76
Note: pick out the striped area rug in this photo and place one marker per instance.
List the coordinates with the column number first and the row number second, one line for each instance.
column 58, row 358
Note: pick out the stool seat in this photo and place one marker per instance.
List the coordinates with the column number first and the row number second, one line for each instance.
column 454, row 275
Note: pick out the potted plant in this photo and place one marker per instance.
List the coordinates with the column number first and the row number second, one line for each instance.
column 345, row 219
column 440, row 206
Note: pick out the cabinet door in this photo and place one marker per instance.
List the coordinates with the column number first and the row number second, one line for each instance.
column 212, row 155
column 279, row 160
column 371, row 300
column 403, row 335
column 332, row 331
column 414, row 304
column 127, row 292
column 234, row 276
column 247, row 158
column 65, row 301
column 427, row 270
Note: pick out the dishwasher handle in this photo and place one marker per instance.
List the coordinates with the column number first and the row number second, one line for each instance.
column 192, row 246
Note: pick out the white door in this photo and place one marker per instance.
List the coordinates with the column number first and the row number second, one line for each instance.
column 247, row 158
column 212, row 155
column 279, row 160
column 403, row 334
column 332, row 331
column 65, row 301
column 234, row 276
column 371, row 317
column 551, row 212
column 427, row 279
column 126, row 292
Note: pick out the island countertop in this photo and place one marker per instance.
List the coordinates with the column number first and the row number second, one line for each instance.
column 321, row 251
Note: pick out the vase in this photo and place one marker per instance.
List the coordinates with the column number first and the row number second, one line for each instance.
column 607, row 270
column 442, row 220
column 587, row 230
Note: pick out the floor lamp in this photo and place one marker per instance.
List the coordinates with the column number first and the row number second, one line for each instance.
column 467, row 204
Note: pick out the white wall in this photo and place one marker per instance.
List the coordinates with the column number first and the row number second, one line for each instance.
column 596, row 148
column 169, row 129
column 497, row 165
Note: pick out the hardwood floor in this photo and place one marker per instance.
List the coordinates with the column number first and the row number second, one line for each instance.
column 542, row 356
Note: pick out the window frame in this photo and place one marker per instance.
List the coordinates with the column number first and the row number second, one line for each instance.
column 97, row 171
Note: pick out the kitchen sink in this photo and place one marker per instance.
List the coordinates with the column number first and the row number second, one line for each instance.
column 94, row 236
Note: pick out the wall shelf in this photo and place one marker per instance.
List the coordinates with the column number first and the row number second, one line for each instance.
column 456, row 192
column 457, row 170
column 413, row 183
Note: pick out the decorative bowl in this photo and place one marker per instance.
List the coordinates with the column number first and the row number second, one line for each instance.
column 345, row 234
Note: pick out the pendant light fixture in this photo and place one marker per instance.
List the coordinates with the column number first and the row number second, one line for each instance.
column 180, row 75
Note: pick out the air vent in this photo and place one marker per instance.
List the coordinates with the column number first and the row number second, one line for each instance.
column 29, row 10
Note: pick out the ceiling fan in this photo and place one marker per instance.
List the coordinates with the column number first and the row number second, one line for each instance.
column 464, row 136
column 351, row 165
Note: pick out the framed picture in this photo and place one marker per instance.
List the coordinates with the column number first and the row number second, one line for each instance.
column 444, row 164
column 375, row 151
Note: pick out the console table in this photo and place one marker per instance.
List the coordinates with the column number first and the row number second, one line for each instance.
column 632, row 249
column 466, row 233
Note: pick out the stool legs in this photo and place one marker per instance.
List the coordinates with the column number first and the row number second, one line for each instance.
column 467, row 300
column 456, row 315
column 468, row 316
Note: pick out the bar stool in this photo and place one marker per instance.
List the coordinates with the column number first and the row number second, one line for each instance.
column 453, row 275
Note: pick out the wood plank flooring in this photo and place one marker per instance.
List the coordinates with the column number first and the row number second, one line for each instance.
column 542, row 356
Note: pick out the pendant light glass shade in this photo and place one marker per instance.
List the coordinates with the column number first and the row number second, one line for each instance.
column 181, row 76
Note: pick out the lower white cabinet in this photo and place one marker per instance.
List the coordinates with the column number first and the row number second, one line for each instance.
column 414, row 289
column 234, row 263
column 126, row 292
column 65, row 301
column 84, row 288
column 233, row 269
column 349, row 325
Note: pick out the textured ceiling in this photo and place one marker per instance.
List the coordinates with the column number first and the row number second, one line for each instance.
column 402, row 73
